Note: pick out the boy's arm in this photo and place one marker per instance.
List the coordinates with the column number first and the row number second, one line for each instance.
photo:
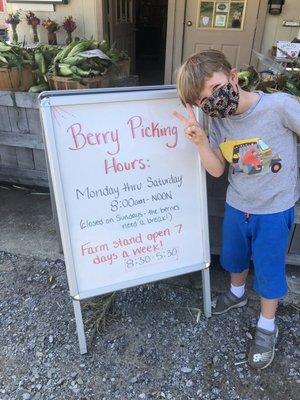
column 212, row 160
column 291, row 115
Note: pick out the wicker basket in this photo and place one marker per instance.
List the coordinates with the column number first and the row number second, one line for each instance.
column 62, row 83
column 15, row 79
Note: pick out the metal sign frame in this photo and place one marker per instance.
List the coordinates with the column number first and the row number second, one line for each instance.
column 54, row 98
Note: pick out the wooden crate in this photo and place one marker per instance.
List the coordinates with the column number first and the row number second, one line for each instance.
column 15, row 79
column 62, row 83
column 22, row 155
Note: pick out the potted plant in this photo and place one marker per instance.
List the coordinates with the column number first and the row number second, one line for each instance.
column 52, row 27
column 13, row 20
column 34, row 22
column 69, row 25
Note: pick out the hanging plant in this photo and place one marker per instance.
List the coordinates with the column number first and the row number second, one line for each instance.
column 13, row 20
column 34, row 22
column 69, row 25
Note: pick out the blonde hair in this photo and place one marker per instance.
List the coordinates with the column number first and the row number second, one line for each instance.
column 192, row 74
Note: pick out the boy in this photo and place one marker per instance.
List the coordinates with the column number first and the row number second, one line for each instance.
column 256, row 133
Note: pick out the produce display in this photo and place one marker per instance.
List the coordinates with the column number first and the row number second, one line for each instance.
column 81, row 59
column 74, row 61
column 43, row 56
column 14, row 56
column 275, row 77
column 85, row 59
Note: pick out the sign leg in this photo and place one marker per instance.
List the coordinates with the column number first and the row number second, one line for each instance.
column 79, row 327
column 206, row 292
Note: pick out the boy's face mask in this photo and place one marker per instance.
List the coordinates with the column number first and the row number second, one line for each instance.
column 222, row 102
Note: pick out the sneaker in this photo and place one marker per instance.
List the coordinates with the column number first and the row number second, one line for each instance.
column 262, row 349
column 227, row 301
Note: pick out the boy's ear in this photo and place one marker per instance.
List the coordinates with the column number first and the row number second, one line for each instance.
column 234, row 76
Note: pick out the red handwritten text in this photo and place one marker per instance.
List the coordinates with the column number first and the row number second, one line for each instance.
column 154, row 236
column 105, row 259
column 112, row 165
column 82, row 139
column 147, row 249
column 87, row 248
column 138, row 129
column 128, row 241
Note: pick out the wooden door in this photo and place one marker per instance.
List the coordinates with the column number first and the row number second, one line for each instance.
column 228, row 26
column 121, row 15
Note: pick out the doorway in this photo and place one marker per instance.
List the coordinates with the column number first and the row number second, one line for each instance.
column 139, row 27
column 150, row 39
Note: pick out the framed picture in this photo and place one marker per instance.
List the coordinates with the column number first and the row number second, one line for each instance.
column 222, row 7
column 39, row 1
column 220, row 20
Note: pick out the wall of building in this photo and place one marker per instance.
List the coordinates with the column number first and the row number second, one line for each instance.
column 86, row 12
column 274, row 30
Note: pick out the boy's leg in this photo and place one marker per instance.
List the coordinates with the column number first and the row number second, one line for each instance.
column 267, row 316
column 270, row 234
column 239, row 279
column 262, row 350
column 233, row 298
column 235, row 258
column 268, row 307
column 238, row 282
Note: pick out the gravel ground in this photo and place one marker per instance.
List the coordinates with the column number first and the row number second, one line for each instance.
column 152, row 346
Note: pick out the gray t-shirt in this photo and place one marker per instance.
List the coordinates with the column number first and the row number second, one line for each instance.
column 261, row 147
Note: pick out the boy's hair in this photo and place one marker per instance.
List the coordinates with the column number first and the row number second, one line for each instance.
column 192, row 74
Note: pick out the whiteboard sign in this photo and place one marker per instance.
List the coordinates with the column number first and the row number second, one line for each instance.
column 129, row 188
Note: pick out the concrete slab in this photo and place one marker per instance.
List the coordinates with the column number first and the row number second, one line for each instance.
column 26, row 223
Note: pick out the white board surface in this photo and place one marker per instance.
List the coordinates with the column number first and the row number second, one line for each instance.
column 129, row 188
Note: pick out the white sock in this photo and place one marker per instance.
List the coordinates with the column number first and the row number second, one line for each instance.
column 238, row 291
column 266, row 323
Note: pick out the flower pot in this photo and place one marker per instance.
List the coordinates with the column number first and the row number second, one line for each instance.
column 15, row 37
column 52, row 39
column 69, row 38
column 35, row 35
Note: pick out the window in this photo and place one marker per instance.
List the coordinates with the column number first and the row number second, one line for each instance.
column 214, row 14
column 124, row 11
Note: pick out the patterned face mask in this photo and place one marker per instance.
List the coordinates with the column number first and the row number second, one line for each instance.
column 222, row 102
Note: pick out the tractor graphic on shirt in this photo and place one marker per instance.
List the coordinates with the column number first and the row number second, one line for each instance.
column 250, row 156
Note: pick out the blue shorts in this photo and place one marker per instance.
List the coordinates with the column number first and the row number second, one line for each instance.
column 264, row 239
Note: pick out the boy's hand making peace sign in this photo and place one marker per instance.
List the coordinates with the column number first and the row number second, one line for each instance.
column 211, row 159
column 193, row 131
